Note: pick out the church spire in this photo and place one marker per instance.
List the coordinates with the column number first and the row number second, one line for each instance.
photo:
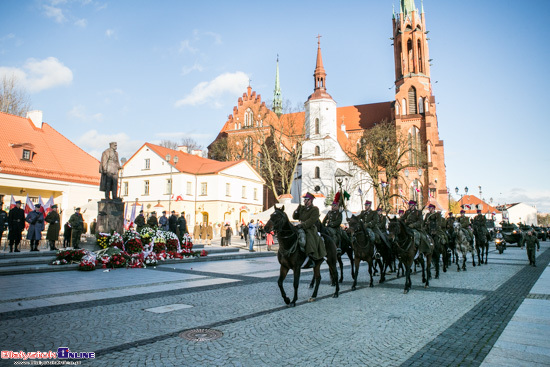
column 407, row 7
column 277, row 100
column 319, row 76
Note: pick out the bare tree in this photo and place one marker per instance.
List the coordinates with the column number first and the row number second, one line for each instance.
column 384, row 152
column 13, row 98
column 190, row 143
column 168, row 144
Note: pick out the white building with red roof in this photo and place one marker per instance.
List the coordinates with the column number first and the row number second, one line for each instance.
column 38, row 161
column 160, row 179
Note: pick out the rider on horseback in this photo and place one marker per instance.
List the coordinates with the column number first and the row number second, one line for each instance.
column 308, row 215
column 332, row 221
column 465, row 224
column 480, row 224
column 432, row 222
column 413, row 219
column 371, row 220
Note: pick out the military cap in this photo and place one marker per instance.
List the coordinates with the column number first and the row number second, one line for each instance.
column 412, row 202
column 478, row 211
column 309, row 196
column 462, row 211
column 18, row 202
column 401, row 211
column 37, row 205
column 54, row 206
column 76, row 209
column 431, row 206
column 153, row 212
column 368, row 202
column 164, row 212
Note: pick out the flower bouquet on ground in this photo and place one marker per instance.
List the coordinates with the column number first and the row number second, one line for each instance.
column 103, row 257
column 159, row 244
column 186, row 243
column 203, row 253
column 136, row 261
column 116, row 241
column 103, row 239
column 150, row 260
column 161, row 255
column 146, row 234
column 132, row 242
column 59, row 262
column 86, row 265
column 117, row 261
column 70, row 256
column 172, row 242
column 175, row 255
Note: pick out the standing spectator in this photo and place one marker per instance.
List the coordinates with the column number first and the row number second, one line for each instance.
column 252, row 229
column 139, row 221
column 532, row 242
column 241, row 228
column 203, row 232
column 173, row 222
column 93, row 227
column 36, row 225
column 269, row 240
column 77, row 225
column 245, row 233
column 197, row 233
column 3, row 221
column 67, row 231
column 163, row 222
column 209, row 233
column 53, row 229
column 182, row 225
column 16, row 224
column 228, row 234
column 152, row 221
column 223, row 231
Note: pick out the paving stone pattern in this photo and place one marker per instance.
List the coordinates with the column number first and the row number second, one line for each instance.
column 455, row 322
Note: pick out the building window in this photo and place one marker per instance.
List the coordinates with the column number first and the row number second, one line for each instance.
column 255, row 194
column 317, row 172
column 420, row 105
column 33, row 199
column 317, row 129
column 248, row 118
column 26, row 155
column 125, row 188
column 204, row 189
column 189, row 188
column 404, row 106
column 317, row 151
column 146, row 187
column 147, row 163
column 244, row 192
column 248, row 150
column 168, row 186
column 396, row 108
column 412, row 101
column 227, row 189
column 414, row 146
column 429, row 151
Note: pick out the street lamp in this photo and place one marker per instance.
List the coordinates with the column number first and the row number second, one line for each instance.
column 168, row 157
column 466, row 190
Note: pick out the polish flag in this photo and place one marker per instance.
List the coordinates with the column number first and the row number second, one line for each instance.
column 12, row 203
column 42, row 209
column 29, row 207
column 48, row 205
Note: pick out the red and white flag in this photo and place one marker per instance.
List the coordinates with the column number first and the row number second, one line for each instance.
column 29, row 207
column 48, row 205
column 12, row 203
column 42, row 209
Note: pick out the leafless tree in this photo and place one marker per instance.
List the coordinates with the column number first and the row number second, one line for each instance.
column 13, row 97
column 190, row 143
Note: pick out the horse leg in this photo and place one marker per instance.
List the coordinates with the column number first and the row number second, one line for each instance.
column 296, row 284
column 408, row 282
column 382, row 271
column 421, row 261
column 334, row 274
column 428, row 270
column 486, row 252
column 282, row 275
column 317, row 275
column 478, row 250
column 341, row 268
column 436, row 264
column 356, row 274
column 457, row 263
column 370, row 272
column 464, row 259
column 312, row 281
column 351, row 261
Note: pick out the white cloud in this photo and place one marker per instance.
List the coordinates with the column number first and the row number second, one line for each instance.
column 538, row 198
column 38, row 75
column 79, row 112
column 95, row 143
column 232, row 83
column 185, row 45
column 82, row 23
column 55, row 13
column 110, row 33
column 187, row 69
column 216, row 36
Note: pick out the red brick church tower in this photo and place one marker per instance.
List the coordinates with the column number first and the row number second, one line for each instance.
column 415, row 108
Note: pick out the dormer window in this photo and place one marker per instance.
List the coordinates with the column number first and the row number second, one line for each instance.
column 26, row 155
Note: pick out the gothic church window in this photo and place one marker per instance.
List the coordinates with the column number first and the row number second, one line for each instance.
column 404, row 106
column 414, row 146
column 396, row 108
column 316, row 126
column 317, row 172
column 317, row 151
column 420, row 105
column 412, row 99
column 419, row 53
column 248, row 118
column 429, row 151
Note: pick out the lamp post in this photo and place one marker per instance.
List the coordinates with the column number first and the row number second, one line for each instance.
column 168, row 157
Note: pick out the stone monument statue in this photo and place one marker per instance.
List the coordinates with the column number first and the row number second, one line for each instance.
column 110, row 210
column 109, row 167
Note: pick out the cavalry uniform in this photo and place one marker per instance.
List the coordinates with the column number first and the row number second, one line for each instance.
column 480, row 224
column 531, row 241
column 435, row 226
column 308, row 217
column 152, row 221
column 413, row 219
column 77, row 226
column 53, row 229
column 332, row 221
column 465, row 224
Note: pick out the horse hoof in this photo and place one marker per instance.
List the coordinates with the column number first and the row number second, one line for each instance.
column 427, row 286
column 293, row 304
column 287, row 300
column 311, row 286
column 353, row 288
column 335, row 295
column 370, row 285
column 444, row 270
column 311, row 299
column 406, row 291
column 437, row 277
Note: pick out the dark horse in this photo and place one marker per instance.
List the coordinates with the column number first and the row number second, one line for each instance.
column 291, row 257
column 363, row 248
column 345, row 246
column 482, row 245
column 403, row 240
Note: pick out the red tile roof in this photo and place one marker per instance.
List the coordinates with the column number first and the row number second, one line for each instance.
column 53, row 156
column 190, row 163
column 473, row 201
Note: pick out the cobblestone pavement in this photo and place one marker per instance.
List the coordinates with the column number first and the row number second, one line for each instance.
column 455, row 322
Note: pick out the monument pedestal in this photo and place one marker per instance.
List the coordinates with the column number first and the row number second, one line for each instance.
column 110, row 216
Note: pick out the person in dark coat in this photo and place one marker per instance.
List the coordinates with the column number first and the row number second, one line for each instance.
column 152, row 221
column 140, row 221
column 3, row 221
column 173, row 222
column 77, row 226
column 54, row 227
column 93, row 226
column 36, row 226
column 67, row 231
column 16, row 224
column 182, row 225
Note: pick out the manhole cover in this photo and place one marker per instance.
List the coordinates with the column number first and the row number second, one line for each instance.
column 201, row 335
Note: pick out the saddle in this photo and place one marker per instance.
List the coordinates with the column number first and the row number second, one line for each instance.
column 422, row 241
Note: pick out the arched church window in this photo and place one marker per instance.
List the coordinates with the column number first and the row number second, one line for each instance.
column 420, row 105
column 414, row 146
column 316, row 126
column 404, row 106
column 317, row 151
column 412, row 98
column 248, row 118
column 427, row 103
column 429, row 151
column 396, row 108
column 317, row 172
column 419, row 53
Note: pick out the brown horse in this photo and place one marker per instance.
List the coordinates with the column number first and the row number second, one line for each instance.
column 363, row 248
column 291, row 257
column 403, row 240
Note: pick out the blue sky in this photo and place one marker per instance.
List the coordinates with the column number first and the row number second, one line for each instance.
column 136, row 71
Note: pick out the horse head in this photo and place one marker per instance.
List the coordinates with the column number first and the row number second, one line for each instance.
column 354, row 224
column 277, row 220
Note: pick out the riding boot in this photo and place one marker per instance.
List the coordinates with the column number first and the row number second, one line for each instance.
column 52, row 246
column 308, row 263
column 11, row 247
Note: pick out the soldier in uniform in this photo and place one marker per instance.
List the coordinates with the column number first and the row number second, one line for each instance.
column 480, row 224
column 173, row 222
column 433, row 222
column 531, row 241
column 413, row 217
column 152, row 221
column 369, row 217
column 16, row 224
column 181, row 224
column 163, row 221
column 465, row 224
column 308, row 215
column 77, row 226
column 139, row 221
column 332, row 221
column 35, row 219
column 54, row 227
column 400, row 213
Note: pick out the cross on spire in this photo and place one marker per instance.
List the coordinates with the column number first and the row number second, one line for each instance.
column 318, row 38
